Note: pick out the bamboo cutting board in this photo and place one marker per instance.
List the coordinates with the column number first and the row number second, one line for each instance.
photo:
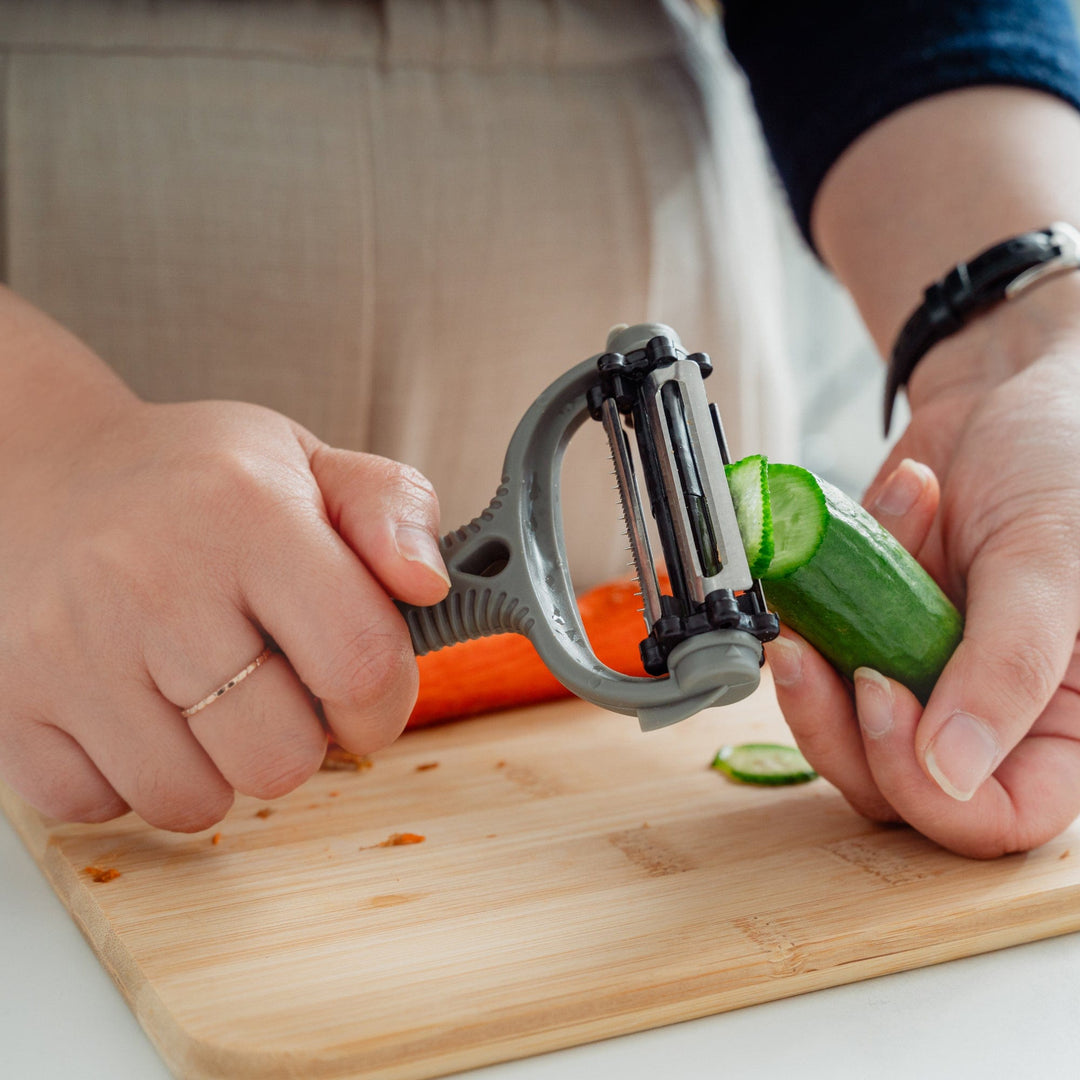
column 577, row 880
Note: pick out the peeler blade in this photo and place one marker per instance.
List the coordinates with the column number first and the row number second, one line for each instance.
column 681, row 454
column 633, row 518
column 692, row 481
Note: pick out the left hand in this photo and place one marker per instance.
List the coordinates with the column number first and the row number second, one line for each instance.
column 992, row 765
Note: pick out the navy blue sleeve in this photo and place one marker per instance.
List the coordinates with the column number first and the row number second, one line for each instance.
column 823, row 71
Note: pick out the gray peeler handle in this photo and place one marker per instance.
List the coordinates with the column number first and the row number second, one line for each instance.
column 482, row 600
column 508, row 565
column 509, row 572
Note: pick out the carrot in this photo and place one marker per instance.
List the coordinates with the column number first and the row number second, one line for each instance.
column 338, row 759
column 505, row 670
column 399, row 838
column 100, row 875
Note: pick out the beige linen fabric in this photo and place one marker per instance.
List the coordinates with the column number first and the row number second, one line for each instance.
column 395, row 222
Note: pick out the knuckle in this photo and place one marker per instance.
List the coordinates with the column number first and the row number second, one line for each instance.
column 1028, row 673
column 276, row 774
column 106, row 557
column 977, row 839
column 42, row 627
column 370, row 689
column 113, row 569
column 415, row 484
column 48, row 769
column 87, row 804
column 873, row 807
column 372, row 667
column 237, row 484
column 814, row 740
column 234, row 481
column 408, row 489
column 188, row 812
column 98, row 810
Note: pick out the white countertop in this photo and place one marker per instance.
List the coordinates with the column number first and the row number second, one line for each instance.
column 1013, row 1013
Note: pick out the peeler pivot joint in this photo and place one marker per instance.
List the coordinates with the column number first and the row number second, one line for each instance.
column 621, row 374
column 723, row 610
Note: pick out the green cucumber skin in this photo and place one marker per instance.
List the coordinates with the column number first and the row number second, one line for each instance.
column 755, row 520
column 862, row 600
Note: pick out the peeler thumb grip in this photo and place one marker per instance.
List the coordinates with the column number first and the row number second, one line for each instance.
column 509, row 572
column 481, row 600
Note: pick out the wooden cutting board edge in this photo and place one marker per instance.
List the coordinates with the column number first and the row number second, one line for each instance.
column 499, row 1040
column 436, row 1052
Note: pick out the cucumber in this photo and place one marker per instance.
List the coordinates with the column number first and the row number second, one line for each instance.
column 748, row 481
column 763, row 763
column 848, row 586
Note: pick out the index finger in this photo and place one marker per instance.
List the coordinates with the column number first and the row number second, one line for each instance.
column 343, row 635
column 1021, row 623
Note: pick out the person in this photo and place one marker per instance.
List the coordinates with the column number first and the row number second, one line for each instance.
column 991, row 765
column 351, row 216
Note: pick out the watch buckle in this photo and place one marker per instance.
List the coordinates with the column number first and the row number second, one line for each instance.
column 1067, row 240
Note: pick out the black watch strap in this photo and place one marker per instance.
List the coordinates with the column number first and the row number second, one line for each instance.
column 1002, row 272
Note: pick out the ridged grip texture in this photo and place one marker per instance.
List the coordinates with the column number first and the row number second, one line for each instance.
column 475, row 606
column 462, row 616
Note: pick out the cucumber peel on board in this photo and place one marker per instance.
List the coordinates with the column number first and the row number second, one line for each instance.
column 840, row 579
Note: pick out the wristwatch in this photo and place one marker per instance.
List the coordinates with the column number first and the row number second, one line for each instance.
column 1002, row 272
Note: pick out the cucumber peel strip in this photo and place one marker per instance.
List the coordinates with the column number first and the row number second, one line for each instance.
column 748, row 481
column 797, row 503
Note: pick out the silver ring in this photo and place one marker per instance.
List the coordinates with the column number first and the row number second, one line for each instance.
column 226, row 687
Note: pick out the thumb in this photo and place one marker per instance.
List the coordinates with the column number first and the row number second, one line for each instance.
column 1020, row 629
column 388, row 514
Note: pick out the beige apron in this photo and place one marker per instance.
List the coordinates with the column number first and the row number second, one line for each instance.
column 395, row 222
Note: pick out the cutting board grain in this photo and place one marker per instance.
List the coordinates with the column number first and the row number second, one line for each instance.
column 577, row 880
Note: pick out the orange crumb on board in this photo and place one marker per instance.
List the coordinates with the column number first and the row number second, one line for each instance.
column 399, row 838
column 1064, row 854
column 340, row 760
column 427, row 765
column 101, row 874
column 215, row 839
column 264, row 813
column 333, row 794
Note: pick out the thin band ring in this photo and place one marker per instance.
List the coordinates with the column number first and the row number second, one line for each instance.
column 226, row 687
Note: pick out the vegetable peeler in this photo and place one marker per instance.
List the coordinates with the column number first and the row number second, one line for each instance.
column 508, row 567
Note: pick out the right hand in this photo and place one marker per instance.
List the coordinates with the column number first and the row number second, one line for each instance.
column 147, row 553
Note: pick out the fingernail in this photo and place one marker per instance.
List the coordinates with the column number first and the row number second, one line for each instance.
column 873, row 702
column 418, row 545
column 903, row 488
column 785, row 661
column 962, row 755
